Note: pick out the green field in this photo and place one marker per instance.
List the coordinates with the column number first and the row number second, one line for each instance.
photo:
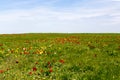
column 59, row 56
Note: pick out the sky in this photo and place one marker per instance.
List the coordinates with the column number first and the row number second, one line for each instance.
column 59, row 16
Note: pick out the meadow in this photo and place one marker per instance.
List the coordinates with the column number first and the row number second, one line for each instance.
column 54, row 56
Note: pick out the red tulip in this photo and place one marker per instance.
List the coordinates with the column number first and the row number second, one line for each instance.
column 48, row 63
column 61, row 61
column 1, row 71
column 34, row 69
column 50, row 70
column 26, row 52
column 30, row 73
column 1, row 44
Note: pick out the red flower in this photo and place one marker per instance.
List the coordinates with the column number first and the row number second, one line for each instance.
column 61, row 61
column 1, row 44
column 50, row 70
column 48, row 63
column 25, row 52
column 1, row 71
column 34, row 69
column 30, row 73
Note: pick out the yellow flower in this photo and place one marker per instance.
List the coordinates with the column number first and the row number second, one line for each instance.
column 16, row 51
column 39, row 51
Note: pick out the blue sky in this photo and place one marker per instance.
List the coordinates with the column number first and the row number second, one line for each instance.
column 68, row 16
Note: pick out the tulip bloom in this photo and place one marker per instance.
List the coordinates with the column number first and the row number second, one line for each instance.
column 34, row 69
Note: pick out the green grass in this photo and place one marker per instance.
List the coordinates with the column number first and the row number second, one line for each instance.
column 60, row 56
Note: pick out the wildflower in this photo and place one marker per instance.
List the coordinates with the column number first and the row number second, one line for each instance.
column 30, row 73
column 61, row 61
column 24, row 49
column 48, row 63
column 1, row 71
column 50, row 70
column 34, row 69
column 1, row 44
column 26, row 52
column 39, row 51
column 16, row 51
column 8, row 50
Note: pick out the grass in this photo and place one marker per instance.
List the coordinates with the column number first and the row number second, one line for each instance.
column 60, row 56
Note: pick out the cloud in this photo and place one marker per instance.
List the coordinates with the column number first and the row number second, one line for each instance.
column 49, row 13
column 68, row 19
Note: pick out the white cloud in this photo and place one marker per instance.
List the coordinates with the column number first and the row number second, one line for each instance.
column 48, row 13
column 49, row 19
